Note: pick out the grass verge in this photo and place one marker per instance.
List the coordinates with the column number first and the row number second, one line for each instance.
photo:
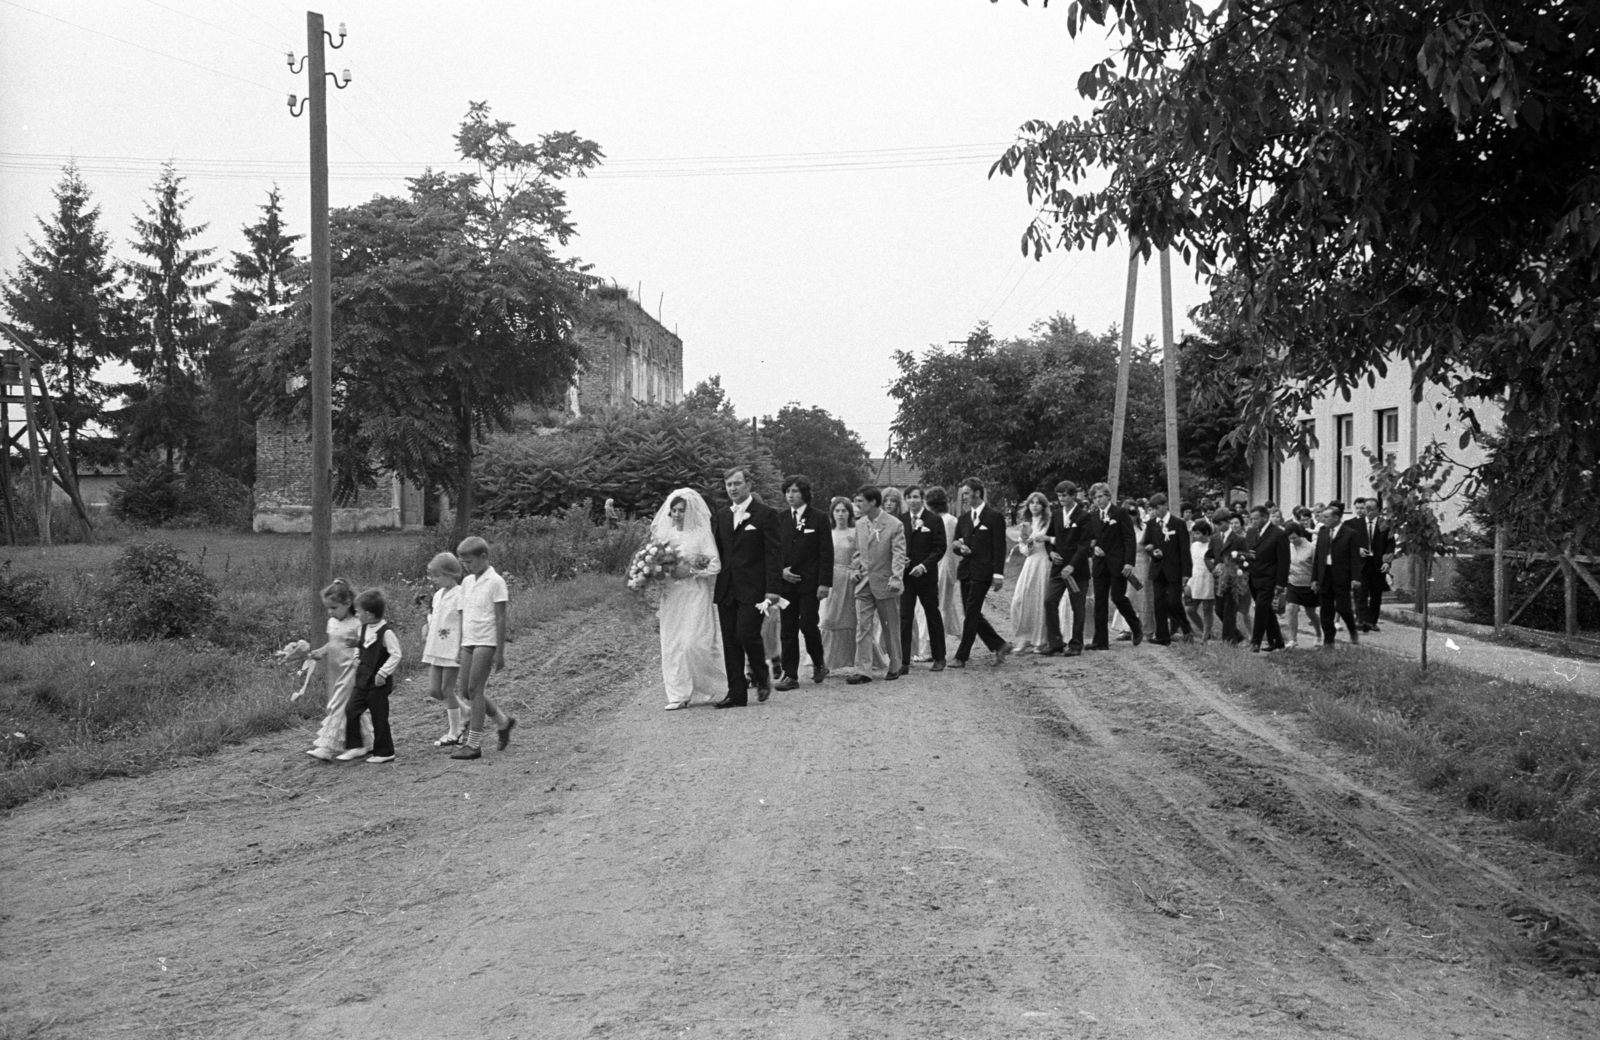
column 1512, row 750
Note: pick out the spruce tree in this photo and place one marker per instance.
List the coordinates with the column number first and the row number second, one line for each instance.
column 67, row 295
column 174, row 325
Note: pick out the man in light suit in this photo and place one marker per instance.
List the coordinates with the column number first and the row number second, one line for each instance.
column 1336, row 570
column 749, row 544
column 877, row 570
column 807, row 547
column 981, row 542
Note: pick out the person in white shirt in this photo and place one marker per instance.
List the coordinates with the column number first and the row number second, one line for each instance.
column 483, row 643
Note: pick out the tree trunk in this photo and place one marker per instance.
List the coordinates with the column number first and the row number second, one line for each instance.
column 1426, row 569
column 463, row 501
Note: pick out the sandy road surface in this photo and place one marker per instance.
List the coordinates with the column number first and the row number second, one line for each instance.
column 1102, row 847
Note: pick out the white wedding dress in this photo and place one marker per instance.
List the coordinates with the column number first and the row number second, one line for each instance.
column 691, row 640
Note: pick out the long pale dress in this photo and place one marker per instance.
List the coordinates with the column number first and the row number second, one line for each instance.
column 340, row 668
column 691, row 639
column 838, row 620
column 1033, row 584
column 951, row 610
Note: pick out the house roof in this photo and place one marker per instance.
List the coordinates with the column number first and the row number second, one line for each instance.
column 892, row 472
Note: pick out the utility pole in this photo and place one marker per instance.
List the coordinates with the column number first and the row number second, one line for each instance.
column 321, row 307
column 1169, row 372
column 1119, row 414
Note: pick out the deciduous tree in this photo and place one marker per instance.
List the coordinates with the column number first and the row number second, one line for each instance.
column 812, row 442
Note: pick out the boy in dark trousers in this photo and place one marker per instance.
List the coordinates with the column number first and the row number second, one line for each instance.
column 379, row 650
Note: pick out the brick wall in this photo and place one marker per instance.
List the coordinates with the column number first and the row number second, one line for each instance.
column 629, row 358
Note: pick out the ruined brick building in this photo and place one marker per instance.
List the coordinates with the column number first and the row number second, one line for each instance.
column 629, row 360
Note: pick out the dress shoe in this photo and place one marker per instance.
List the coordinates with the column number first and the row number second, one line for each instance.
column 857, row 680
column 727, row 702
column 892, row 675
column 466, row 752
column 1255, row 648
column 1373, row 628
column 938, row 666
column 905, row 669
column 957, row 663
column 763, row 692
column 819, row 673
column 1138, row 636
column 503, row 734
column 1161, row 642
column 1001, row 654
column 786, row 685
column 1072, row 653
column 1097, row 646
column 1124, row 637
column 1049, row 651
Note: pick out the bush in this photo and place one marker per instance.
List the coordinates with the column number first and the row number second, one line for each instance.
column 1474, row 587
column 150, row 494
column 154, row 593
column 211, row 498
column 24, row 610
column 153, row 494
column 636, row 458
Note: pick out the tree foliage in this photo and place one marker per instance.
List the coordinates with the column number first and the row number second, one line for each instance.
column 66, row 294
column 1366, row 184
column 450, row 311
column 174, row 325
column 633, row 457
column 812, row 442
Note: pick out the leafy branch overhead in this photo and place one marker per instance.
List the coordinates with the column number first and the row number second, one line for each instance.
column 1415, row 182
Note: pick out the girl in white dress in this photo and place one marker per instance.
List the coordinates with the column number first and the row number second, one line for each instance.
column 1201, row 592
column 339, row 659
column 1029, row 630
column 441, row 652
column 691, row 641
column 838, row 620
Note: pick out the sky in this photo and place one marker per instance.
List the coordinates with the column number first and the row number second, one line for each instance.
column 798, row 190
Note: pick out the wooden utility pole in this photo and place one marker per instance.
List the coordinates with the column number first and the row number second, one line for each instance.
column 1169, row 371
column 321, row 311
column 1119, row 414
column 41, row 486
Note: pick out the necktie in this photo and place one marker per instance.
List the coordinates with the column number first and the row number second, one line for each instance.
column 799, row 524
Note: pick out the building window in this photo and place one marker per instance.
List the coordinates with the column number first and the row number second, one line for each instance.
column 1308, row 464
column 1387, row 428
column 1344, row 457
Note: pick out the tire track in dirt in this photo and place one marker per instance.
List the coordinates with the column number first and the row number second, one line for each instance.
column 1201, row 808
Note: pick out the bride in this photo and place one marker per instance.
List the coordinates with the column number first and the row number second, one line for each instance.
column 691, row 643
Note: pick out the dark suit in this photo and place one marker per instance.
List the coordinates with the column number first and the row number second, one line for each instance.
column 1380, row 542
column 1069, row 540
column 1336, row 566
column 925, row 547
column 807, row 550
column 1112, row 533
column 985, row 557
column 752, row 566
column 1169, row 572
column 1223, row 547
column 1269, row 575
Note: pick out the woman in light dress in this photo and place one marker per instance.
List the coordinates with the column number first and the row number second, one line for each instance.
column 838, row 621
column 1029, row 630
column 950, row 608
column 691, row 640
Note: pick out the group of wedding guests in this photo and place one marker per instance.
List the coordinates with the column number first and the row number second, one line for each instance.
column 887, row 577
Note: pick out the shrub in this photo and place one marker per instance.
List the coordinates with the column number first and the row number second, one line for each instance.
column 211, row 498
column 151, row 493
column 154, row 593
column 1474, row 587
column 636, row 458
column 24, row 610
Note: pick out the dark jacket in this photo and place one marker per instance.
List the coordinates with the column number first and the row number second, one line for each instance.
column 1114, row 536
column 1338, row 559
column 807, row 549
column 1269, row 567
column 1069, row 539
column 1380, row 544
column 1171, row 537
column 986, row 544
column 752, row 556
column 926, row 546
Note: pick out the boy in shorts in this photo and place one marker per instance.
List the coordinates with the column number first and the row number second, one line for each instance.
column 483, row 643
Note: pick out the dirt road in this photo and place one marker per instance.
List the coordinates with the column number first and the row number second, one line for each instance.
column 1108, row 846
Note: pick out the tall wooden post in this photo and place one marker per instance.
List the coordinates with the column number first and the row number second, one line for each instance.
column 1499, row 579
column 1169, row 372
column 321, row 327
column 1119, row 414
column 41, row 486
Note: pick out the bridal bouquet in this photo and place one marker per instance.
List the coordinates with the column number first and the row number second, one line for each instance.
column 652, row 565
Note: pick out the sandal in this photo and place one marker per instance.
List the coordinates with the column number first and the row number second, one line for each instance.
column 449, row 741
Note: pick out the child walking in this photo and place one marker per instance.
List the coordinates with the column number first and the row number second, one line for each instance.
column 483, row 643
column 1201, row 592
column 339, row 657
column 379, row 656
column 443, row 649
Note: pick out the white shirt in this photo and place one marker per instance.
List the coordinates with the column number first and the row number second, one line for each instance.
column 479, row 594
column 391, row 642
column 741, row 511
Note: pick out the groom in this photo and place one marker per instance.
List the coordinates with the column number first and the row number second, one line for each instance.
column 748, row 544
